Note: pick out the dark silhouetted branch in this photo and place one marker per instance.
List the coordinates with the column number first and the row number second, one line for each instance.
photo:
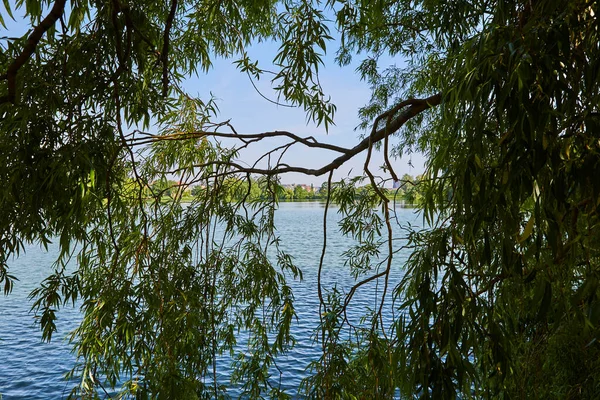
column 165, row 50
column 410, row 108
column 32, row 41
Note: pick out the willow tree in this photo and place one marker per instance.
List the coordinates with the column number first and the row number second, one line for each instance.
column 500, row 295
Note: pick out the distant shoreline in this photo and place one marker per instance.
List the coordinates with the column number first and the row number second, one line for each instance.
column 397, row 204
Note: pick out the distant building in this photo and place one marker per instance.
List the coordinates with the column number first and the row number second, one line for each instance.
column 308, row 188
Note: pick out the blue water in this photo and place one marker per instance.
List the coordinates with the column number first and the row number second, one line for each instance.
column 32, row 369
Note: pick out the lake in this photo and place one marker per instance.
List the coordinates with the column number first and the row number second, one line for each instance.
column 31, row 369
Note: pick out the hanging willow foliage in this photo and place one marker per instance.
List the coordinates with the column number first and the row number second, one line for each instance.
column 500, row 296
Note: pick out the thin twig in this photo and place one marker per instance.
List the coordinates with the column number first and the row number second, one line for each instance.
column 320, row 291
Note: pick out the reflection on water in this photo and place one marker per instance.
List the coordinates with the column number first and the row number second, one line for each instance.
column 31, row 369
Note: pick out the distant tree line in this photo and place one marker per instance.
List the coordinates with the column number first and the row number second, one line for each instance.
column 409, row 190
column 258, row 189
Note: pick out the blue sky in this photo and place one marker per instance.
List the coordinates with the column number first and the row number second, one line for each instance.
column 250, row 113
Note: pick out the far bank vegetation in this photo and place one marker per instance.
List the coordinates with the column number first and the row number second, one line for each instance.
column 408, row 191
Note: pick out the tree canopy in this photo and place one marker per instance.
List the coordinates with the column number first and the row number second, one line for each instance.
column 500, row 297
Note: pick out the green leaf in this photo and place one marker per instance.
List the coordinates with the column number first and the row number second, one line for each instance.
column 8, row 9
column 527, row 231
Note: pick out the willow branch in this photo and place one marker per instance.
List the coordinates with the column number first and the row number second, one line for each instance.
column 32, row 41
column 244, row 137
column 165, row 50
column 324, row 249
column 411, row 108
column 415, row 107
